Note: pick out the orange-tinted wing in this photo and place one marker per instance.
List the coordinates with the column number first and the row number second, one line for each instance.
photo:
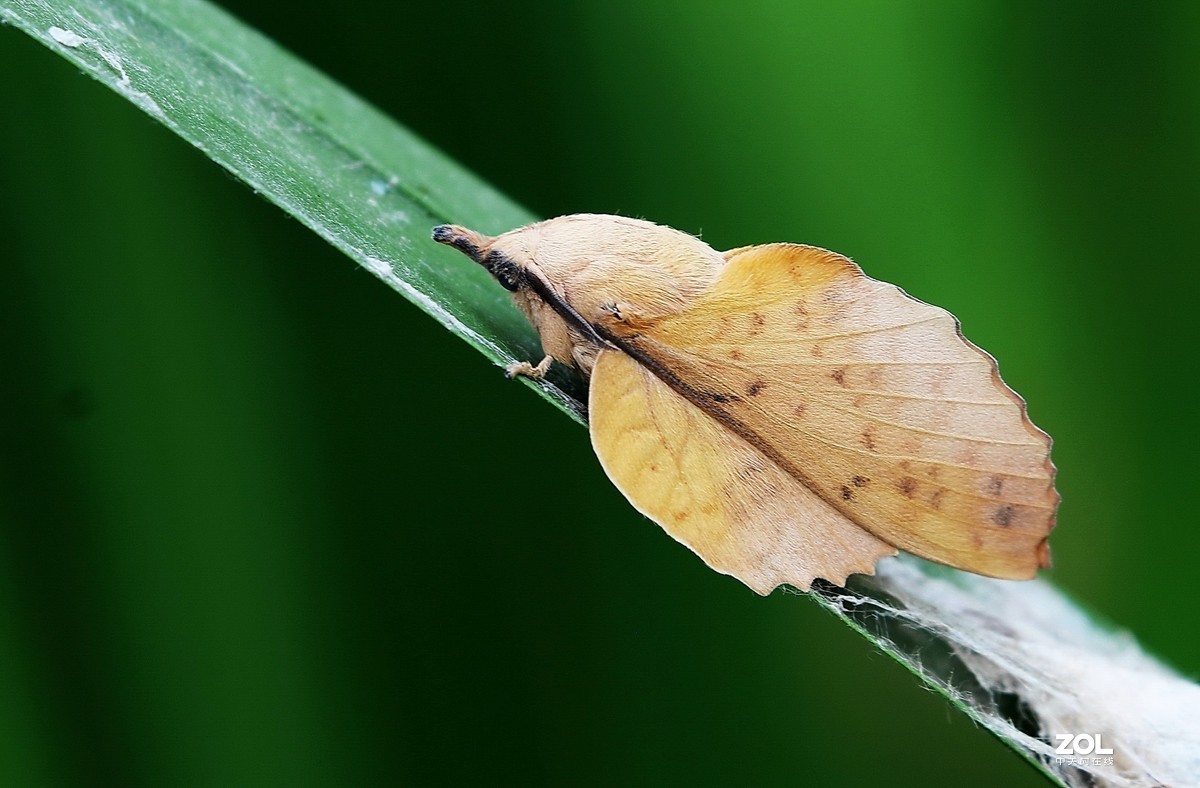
column 870, row 399
column 713, row 491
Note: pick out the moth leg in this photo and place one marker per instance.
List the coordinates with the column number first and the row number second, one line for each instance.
column 525, row 369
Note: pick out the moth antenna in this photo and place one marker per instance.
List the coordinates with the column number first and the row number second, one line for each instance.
column 469, row 242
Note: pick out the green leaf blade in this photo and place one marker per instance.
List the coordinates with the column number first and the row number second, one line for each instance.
column 358, row 179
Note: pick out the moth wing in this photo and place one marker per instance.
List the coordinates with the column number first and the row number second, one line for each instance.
column 714, row 492
column 869, row 398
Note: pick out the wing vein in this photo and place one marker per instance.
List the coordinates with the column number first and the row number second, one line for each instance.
column 801, row 338
column 831, row 362
column 856, row 450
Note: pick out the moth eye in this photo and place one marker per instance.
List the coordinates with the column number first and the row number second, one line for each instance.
column 508, row 279
column 506, row 272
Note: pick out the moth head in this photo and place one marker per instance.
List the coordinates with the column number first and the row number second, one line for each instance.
column 593, row 261
column 509, row 272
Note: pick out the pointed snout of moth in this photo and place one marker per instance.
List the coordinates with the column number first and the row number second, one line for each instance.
column 469, row 242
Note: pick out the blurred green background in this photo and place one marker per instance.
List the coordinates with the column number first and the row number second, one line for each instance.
column 262, row 522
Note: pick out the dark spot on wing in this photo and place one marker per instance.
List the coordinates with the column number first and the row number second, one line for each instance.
column 935, row 500
column 1003, row 515
column 799, row 409
column 860, row 481
column 839, row 376
column 756, row 387
column 994, row 485
column 847, row 493
column 868, row 438
column 736, row 355
column 907, row 486
column 757, row 321
column 816, row 351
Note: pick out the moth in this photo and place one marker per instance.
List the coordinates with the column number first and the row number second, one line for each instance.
column 776, row 410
